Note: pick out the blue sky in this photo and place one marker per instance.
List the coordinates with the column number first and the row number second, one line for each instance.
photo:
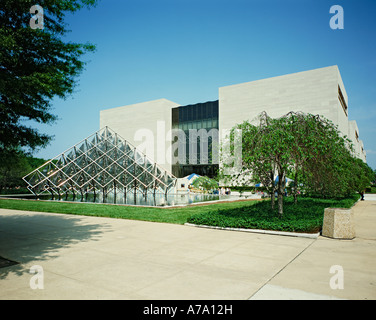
column 184, row 50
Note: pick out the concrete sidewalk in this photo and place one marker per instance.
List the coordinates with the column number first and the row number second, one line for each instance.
column 308, row 276
column 102, row 258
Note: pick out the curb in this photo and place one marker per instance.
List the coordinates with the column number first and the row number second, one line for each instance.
column 278, row 233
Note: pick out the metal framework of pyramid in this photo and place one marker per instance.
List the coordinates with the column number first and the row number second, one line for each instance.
column 102, row 163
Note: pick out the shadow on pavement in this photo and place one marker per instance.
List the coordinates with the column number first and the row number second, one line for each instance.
column 28, row 237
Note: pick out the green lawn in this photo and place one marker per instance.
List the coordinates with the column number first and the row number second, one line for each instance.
column 169, row 215
column 306, row 216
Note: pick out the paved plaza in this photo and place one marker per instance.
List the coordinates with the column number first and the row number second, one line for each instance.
column 102, row 258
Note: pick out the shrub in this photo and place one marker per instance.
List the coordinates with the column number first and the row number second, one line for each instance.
column 305, row 216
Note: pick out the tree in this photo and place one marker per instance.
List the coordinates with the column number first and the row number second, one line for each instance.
column 36, row 65
column 12, row 170
column 265, row 153
column 320, row 154
column 303, row 145
column 251, row 171
column 205, row 183
column 362, row 175
column 328, row 167
column 13, row 167
column 271, row 153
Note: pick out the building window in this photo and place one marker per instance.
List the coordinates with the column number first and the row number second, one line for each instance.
column 342, row 100
column 197, row 116
column 357, row 136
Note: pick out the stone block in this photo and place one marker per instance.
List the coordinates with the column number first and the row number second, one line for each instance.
column 338, row 223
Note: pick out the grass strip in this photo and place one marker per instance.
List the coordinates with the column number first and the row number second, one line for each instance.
column 177, row 215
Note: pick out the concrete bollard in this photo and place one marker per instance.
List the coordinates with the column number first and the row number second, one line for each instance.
column 338, row 223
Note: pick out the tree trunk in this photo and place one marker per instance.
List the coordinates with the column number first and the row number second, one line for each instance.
column 280, row 204
column 272, row 190
column 296, row 185
column 281, row 185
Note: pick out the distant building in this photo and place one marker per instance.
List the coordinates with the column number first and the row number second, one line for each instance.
column 153, row 126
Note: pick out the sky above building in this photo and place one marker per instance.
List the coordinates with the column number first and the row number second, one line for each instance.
column 184, row 50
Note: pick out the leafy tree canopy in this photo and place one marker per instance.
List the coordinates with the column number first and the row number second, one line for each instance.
column 307, row 147
column 36, row 65
column 205, row 182
column 13, row 167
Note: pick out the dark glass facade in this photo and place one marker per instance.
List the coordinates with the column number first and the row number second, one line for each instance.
column 197, row 119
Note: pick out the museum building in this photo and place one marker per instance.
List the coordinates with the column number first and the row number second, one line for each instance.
column 185, row 139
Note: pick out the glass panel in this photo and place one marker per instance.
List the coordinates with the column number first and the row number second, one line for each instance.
column 215, row 112
column 194, row 110
column 175, row 116
column 210, row 110
column 180, row 114
column 190, row 113
column 204, row 112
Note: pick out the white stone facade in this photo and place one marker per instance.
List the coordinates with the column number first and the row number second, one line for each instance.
column 353, row 135
column 318, row 91
column 321, row 91
column 145, row 125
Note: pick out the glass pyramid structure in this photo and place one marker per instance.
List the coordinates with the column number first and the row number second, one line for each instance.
column 103, row 163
